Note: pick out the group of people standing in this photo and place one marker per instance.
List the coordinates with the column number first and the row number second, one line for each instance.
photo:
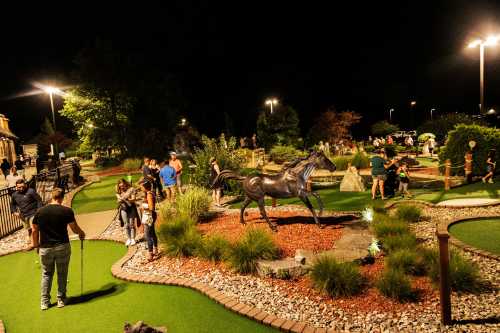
column 380, row 166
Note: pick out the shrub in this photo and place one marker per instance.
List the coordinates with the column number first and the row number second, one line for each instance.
column 390, row 150
column 131, row 164
column 194, row 202
column 383, row 128
column 408, row 261
column 280, row 154
column 180, row 236
column 458, row 144
column 341, row 162
column 336, row 279
column 256, row 244
column 409, row 213
column 387, row 226
column 103, row 162
column 214, row 248
column 224, row 150
column 399, row 242
column 395, row 284
column 464, row 274
column 361, row 161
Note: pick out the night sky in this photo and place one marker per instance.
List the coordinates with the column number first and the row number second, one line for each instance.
column 230, row 57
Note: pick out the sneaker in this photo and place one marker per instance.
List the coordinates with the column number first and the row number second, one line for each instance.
column 44, row 306
column 127, row 243
column 61, row 302
column 484, row 181
column 490, row 181
column 132, row 242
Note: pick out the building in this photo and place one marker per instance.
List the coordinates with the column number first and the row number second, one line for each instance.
column 7, row 147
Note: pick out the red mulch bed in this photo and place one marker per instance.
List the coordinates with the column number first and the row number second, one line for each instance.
column 296, row 230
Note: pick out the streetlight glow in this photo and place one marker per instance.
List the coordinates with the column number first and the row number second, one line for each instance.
column 475, row 43
column 271, row 102
column 491, row 40
column 413, row 103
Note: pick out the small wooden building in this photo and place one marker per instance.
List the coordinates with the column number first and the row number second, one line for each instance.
column 7, row 147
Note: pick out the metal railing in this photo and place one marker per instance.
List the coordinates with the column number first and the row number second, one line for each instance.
column 63, row 176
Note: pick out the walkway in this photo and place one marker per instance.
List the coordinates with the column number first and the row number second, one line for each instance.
column 94, row 224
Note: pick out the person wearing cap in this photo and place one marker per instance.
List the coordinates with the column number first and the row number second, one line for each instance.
column 177, row 165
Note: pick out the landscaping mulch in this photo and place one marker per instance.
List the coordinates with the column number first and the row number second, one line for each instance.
column 296, row 229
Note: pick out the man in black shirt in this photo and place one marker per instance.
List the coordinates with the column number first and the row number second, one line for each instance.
column 24, row 204
column 50, row 235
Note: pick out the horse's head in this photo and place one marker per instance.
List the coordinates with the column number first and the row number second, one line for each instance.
column 323, row 162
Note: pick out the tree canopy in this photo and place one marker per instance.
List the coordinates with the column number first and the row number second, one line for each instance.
column 280, row 127
column 383, row 128
column 445, row 123
column 332, row 126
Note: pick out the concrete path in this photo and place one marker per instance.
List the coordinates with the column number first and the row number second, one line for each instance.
column 94, row 224
column 469, row 202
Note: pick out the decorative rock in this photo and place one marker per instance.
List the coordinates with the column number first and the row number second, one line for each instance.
column 304, row 257
column 281, row 269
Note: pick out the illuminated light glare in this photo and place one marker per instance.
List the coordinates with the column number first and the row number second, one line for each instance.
column 475, row 43
column 413, row 103
column 491, row 40
column 367, row 214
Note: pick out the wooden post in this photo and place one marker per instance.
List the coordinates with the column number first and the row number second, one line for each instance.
column 447, row 175
column 444, row 278
column 273, row 202
column 468, row 167
column 253, row 158
column 308, row 185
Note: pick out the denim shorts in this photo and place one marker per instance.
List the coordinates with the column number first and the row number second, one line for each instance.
column 379, row 177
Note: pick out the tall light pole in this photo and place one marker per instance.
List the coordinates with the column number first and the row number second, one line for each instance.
column 490, row 41
column 432, row 110
column 271, row 102
column 51, row 91
column 390, row 114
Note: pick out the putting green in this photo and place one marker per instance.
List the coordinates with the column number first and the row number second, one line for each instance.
column 483, row 234
column 107, row 302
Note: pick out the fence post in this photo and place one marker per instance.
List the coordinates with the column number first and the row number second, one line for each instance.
column 273, row 202
column 447, row 175
column 468, row 167
column 444, row 278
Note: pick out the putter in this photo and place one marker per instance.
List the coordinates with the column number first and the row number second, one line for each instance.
column 81, row 267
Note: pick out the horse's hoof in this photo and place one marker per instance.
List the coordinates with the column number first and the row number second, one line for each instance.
column 321, row 226
column 274, row 227
column 243, row 222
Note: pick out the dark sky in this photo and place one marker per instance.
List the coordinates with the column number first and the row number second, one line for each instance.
column 230, row 57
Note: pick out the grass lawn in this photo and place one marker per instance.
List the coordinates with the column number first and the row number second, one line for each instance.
column 107, row 303
column 482, row 234
column 98, row 196
column 476, row 190
column 427, row 162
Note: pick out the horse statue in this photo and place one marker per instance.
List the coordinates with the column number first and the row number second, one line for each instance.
column 290, row 182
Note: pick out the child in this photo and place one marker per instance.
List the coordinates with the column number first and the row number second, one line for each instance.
column 404, row 180
column 490, row 167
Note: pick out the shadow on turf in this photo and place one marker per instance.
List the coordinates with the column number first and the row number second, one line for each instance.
column 111, row 289
column 482, row 321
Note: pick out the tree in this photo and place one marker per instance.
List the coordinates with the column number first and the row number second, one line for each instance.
column 48, row 136
column 447, row 122
column 333, row 126
column 383, row 128
column 280, row 127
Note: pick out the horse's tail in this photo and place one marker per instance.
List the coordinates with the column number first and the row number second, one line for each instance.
column 225, row 175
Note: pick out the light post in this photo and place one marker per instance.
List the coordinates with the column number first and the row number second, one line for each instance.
column 412, row 106
column 490, row 41
column 51, row 91
column 390, row 114
column 432, row 110
column 271, row 102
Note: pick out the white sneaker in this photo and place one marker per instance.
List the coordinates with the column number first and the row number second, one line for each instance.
column 127, row 243
column 132, row 242
column 490, row 181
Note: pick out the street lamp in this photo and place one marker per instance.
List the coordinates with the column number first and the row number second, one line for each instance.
column 390, row 114
column 432, row 110
column 52, row 90
column 271, row 102
column 490, row 41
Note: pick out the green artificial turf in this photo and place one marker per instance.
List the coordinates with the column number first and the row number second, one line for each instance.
column 483, row 234
column 109, row 302
column 475, row 190
column 98, row 196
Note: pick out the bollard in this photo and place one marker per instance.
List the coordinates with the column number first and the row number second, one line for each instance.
column 447, row 175
column 468, row 167
column 444, row 278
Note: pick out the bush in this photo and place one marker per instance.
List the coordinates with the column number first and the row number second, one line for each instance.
column 341, row 162
column 131, row 164
column 464, row 274
column 395, row 284
column 104, row 162
column 361, row 161
column 383, row 128
column 399, row 242
column 180, row 236
column 369, row 148
column 409, row 213
column 194, row 203
column 408, row 261
column 281, row 154
column 256, row 244
column 336, row 279
column 214, row 248
column 388, row 226
column 224, row 150
column 458, row 144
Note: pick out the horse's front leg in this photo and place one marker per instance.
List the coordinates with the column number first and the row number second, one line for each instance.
column 305, row 200
column 263, row 213
column 320, row 202
column 243, row 207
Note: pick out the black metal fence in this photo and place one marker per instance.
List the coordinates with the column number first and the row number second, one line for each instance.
column 66, row 177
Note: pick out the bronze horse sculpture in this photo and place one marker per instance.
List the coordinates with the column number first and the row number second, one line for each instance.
column 290, row 182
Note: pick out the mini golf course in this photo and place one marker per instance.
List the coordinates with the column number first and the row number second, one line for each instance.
column 107, row 303
column 483, row 234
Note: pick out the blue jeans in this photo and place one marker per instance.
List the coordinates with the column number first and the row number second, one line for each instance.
column 150, row 234
column 50, row 259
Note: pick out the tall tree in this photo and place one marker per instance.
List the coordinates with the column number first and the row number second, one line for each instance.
column 447, row 122
column 48, row 136
column 384, row 128
column 280, row 127
column 332, row 126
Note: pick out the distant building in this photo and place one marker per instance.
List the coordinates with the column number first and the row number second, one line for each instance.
column 7, row 148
